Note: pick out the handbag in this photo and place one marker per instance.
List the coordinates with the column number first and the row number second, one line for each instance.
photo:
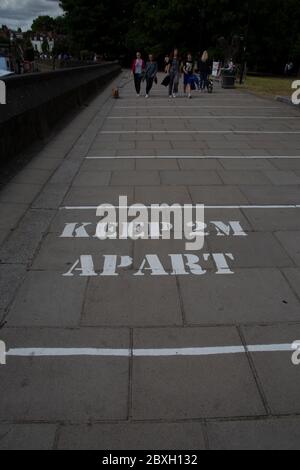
column 166, row 81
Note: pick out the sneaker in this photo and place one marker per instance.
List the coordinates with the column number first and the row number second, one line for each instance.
column 174, row 95
column 137, row 95
column 147, row 96
column 190, row 96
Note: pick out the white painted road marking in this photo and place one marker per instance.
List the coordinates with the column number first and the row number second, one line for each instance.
column 159, row 352
column 282, row 206
column 198, row 107
column 156, row 157
column 201, row 132
column 203, row 117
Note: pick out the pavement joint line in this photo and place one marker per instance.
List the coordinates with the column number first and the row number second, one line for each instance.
column 195, row 157
column 153, row 352
column 181, row 206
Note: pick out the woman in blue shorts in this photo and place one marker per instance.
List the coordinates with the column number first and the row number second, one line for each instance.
column 189, row 79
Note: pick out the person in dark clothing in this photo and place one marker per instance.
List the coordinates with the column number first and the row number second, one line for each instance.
column 189, row 80
column 138, row 67
column 204, row 71
column 150, row 74
column 174, row 73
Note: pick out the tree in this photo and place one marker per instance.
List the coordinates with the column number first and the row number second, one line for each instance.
column 98, row 25
column 43, row 24
column 267, row 29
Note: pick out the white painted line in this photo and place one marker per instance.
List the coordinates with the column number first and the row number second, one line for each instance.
column 203, row 117
column 49, row 352
column 274, row 207
column 200, row 157
column 198, row 107
column 201, row 132
column 159, row 352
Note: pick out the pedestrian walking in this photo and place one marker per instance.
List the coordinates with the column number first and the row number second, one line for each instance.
column 138, row 67
column 188, row 80
column 150, row 74
column 174, row 73
column 204, row 70
column 166, row 63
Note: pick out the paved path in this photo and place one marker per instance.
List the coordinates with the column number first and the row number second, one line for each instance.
column 192, row 353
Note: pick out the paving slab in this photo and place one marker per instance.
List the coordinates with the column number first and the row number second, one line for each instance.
column 163, row 249
column 293, row 277
column 97, row 195
column 78, row 389
column 108, row 164
column 32, row 176
column 199, row 164
column 41, row 163
column 244, row 177
column 27, row 436
column 279, row 377
column 264, row 434
column 162, row 195
column 92, row 178
column 138, row 436
column 157, row 164
column 4, row 234
column 24, row 241
column 65, row 173
column 185, row 387
column 60, row 254
column 258, row 249
column 135, row 178
column 195, row 177
column 246, row 164
column 46, row 299
column 50, row 197
column 249, row 296
column 272, row 194
column 20, row 193
column 283, row 177
column 139, row 302
column 287, row 163
column 10, row 214
column 267, row 220
column 218, row 195
column 11, row 277
column 291, row 243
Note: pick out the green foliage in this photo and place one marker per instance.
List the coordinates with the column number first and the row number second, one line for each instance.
column 265, row 32
column 43, row 24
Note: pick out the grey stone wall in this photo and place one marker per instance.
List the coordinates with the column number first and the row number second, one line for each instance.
column 37, row 102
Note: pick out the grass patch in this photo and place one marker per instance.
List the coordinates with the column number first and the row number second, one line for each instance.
column 267, row 86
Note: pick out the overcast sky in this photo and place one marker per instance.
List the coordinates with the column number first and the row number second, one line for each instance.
column 20, row 13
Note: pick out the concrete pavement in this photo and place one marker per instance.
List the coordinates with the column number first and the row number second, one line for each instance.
column 118, row 371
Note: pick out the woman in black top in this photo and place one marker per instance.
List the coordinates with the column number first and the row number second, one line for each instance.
column 174, row 73
column 150, row 74
column 204, row 70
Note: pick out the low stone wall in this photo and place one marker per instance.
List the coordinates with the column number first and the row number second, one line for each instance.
column 37, row 102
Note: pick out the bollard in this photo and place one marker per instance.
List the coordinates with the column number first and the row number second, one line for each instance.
column 2, row 92
column 2, row 353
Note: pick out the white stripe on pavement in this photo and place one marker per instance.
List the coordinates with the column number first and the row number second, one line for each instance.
column 198, row 107
column 159, row 352
column 203, row 157
column 203, row 117
column 282, row 206
column 201, row 132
